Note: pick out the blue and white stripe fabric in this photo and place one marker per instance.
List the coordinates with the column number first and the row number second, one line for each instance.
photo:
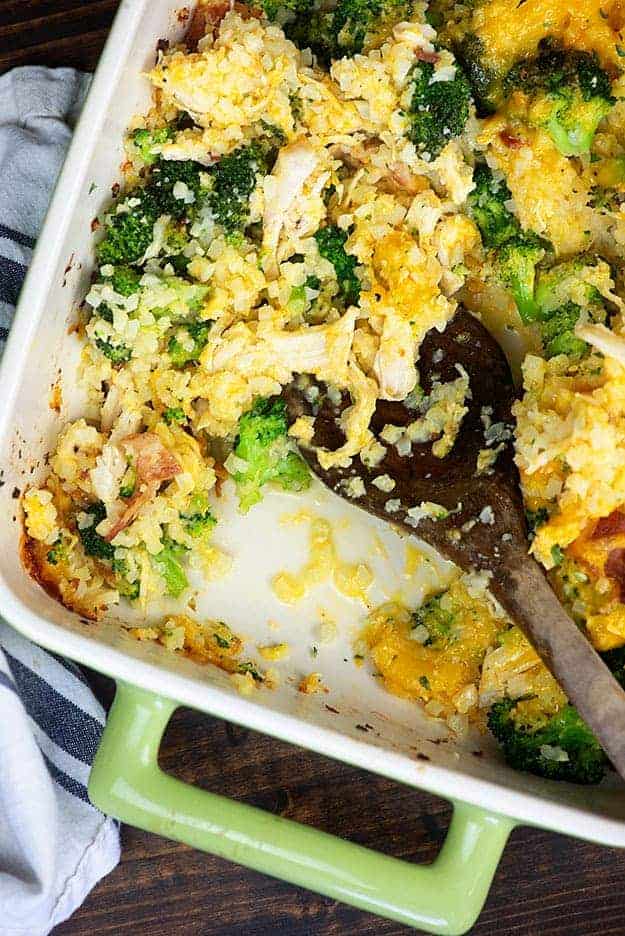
column 54, row 845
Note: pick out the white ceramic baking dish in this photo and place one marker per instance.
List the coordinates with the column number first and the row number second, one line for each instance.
column 398, row 742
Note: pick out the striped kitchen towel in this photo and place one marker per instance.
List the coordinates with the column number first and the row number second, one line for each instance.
column 54, row 846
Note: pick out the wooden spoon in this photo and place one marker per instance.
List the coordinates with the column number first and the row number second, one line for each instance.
column 485, row 526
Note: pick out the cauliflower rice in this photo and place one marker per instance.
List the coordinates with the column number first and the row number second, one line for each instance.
column 317, row 237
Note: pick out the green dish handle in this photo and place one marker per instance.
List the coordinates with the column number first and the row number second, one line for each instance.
column 445, row 897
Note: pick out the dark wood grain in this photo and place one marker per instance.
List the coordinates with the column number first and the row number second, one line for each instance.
column 547, row 885
column 54, row 32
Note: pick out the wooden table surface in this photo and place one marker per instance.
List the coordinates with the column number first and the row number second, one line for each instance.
column 546, row 884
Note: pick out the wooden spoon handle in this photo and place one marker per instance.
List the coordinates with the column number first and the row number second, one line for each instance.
column 528, row 598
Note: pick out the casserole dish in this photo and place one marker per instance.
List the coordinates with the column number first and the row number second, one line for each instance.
column 397, row 741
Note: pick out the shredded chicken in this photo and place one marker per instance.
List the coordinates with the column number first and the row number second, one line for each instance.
column 153, row 465
column 419, row 36
column 293, row 167
column 317, row 349
column 394, row 362
column 603, row 340
column 355, row 420
column 399, row 178
column 109, row 470
column 207, row 18
column 404, row 179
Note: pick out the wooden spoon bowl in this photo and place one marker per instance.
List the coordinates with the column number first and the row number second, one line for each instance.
column 482, row 526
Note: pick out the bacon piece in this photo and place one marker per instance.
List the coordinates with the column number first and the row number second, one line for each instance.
column 609, row 526
column 222, row 475
column 404, row 179
column 355, row 155
column 430, row 57
column 615, row 569
column 207, row 18
column 399, row 177
column 511, row 141
column 153, row 464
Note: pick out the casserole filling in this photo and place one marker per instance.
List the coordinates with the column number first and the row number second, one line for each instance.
column 313, row 191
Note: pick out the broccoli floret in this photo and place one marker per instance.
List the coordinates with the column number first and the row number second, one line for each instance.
column 125, row 280
column 166, row 175
column 58, row 553
column 198, row 524
column 174, row 414
column 129, row 482
column 558, row 332
column 146, row 140
column 179, row 353
column 94, row 544
column 262, row 443
column 569, row 93
column 515, row 253
column 125, row 588
column 199, row 520
column 128, row 233
column 561, row 295
column 179, row 262
column 351, row 26
column 486, row 205
column 314, row 29
column 470, row 53
column 178, row 188
column 234, row 180
column 312, row 300
column 437, row 620
column 572, row 281
column 331, row 246
column 560, row 746
column 516, row 266
column 176, row 239
column 365, row 23
column 438, row 110
column 273, row 7
column 535, row 519
column 297, row 106
column 129, row 228
column 105, row 312
column 117, row 354
column 297, row 303
column 167, row 563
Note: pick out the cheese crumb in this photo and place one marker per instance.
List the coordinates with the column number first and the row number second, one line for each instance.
column 311, row 684
column 243, row 683
column 487, row 515
column 303, row 429
column 275, row 651
column 392, row 434
column 426, row 510
column 354, row 487
column 384, row 483
column 373, row 454
column 41, row 516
